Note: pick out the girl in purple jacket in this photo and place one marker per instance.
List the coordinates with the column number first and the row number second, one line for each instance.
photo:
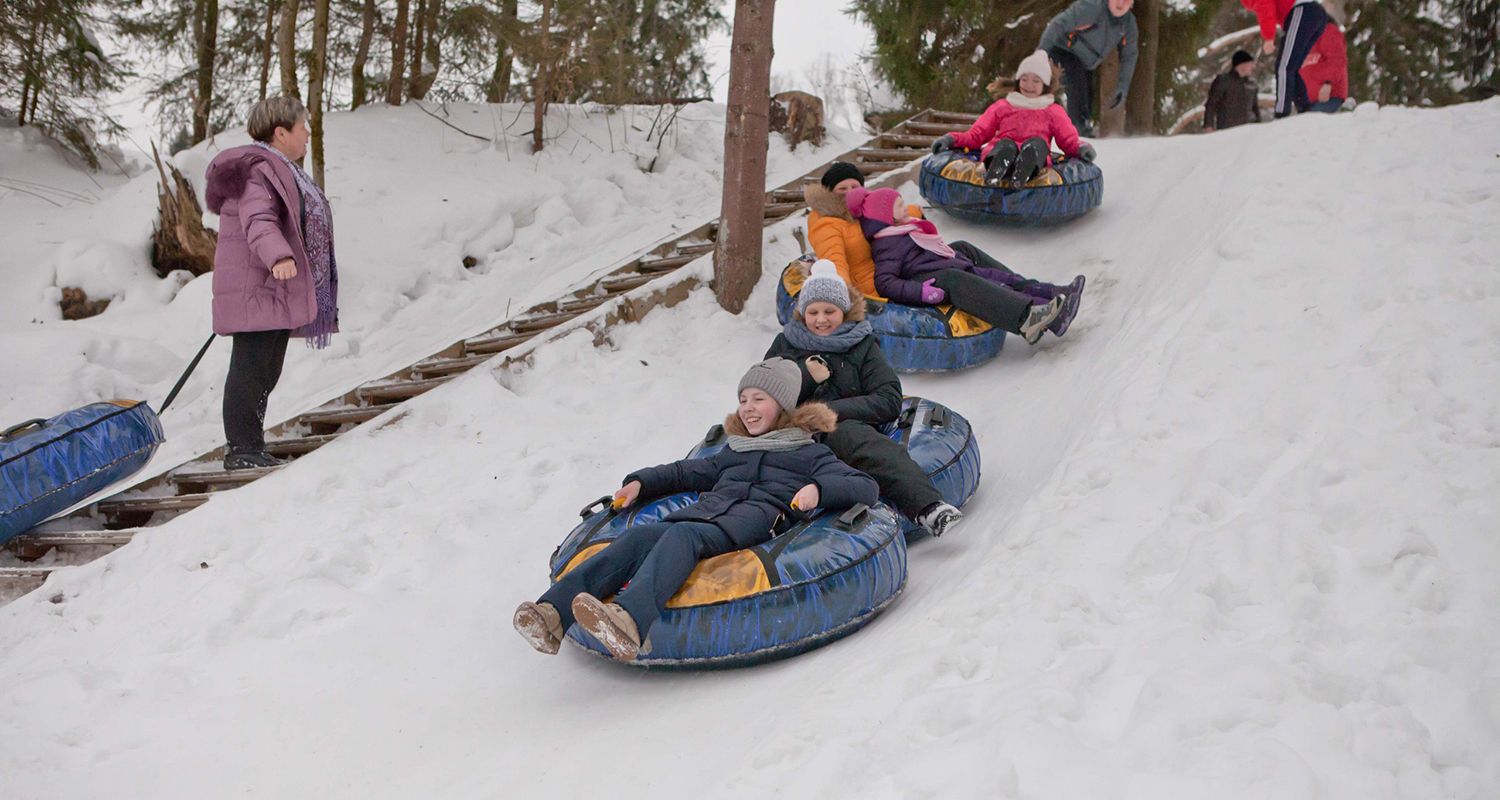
column 915, row 267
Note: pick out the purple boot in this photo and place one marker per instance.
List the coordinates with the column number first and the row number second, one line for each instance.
column 1073, row 293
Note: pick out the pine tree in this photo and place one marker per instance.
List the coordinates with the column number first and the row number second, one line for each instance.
column 1403, row 51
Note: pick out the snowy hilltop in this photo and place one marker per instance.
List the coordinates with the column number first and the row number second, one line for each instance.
column 1235, row 535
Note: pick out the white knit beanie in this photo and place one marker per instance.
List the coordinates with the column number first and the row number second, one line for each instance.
column 1036, row 64
column 823, row 285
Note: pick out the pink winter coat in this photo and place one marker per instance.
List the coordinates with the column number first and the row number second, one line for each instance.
column 260, row 223
column 1005, row 121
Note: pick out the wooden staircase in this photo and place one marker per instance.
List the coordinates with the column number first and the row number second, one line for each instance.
column 112, row 522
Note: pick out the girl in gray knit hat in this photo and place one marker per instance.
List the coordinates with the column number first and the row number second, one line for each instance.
column 750, row 490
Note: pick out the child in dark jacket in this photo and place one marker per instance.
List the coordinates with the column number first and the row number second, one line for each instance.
column 771, row 466
column 914, row 266
column 1016, row 132
column 843, row 366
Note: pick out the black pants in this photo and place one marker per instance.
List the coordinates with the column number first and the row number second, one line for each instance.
column 1303, row 27
column 901, row 481
column 655, row 559
column 991, row 269
column 1078, row 83
column 1001, row 307
column 254, row 369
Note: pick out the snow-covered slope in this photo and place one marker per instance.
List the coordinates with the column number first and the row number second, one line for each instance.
column 1235, row 538
column 412, row 196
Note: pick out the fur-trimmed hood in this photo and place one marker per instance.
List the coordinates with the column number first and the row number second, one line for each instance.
column 810, row 417
column 822, row 200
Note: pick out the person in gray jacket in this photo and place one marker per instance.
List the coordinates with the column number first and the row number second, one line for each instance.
column 1078, row 40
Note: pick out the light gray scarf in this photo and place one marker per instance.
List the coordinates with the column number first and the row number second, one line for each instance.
column 780, row 441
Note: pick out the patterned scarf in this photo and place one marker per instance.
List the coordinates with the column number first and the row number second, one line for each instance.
column 317, row 240
column 784, row 440
column 841, row 340
column 922, row 232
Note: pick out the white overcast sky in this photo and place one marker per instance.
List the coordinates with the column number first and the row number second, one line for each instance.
column 805, row 30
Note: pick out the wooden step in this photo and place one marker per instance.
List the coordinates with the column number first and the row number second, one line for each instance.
column 783, row 209
column 147, row 505
column 449, row 366
column 341, row 416
column 19, row 580
column 962, row 117
column 787, row 195
column 625, row 282
column 299, row 445
column 493, row 343
column 936, row 128
column 904, row 139
column 879, row 167
column 697, row 249
column 667, row 263
column 400, row 390
column 897, row 154
column 541, row 322
column 219, row 477
column 584, row 303
column 35, row 545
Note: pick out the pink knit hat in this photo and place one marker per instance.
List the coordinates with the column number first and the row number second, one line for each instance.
column 879, row 205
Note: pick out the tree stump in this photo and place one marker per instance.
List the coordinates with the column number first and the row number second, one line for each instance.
column 798, row 116
column 179, row 240
column 76, row 304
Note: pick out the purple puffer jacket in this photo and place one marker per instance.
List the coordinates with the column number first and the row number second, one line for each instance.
column 260, row 223
column 901, row 265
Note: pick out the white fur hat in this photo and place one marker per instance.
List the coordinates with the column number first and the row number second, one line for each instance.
column 1036, row 64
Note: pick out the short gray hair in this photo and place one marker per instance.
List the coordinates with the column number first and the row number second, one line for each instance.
column 272, row 113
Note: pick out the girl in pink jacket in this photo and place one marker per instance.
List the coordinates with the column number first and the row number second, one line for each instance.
column 1017, row 131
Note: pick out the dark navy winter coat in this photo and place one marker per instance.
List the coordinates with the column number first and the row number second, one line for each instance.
column 749, row 495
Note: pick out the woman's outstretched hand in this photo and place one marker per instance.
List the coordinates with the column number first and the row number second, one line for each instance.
column 807, row 498
column 626, row 495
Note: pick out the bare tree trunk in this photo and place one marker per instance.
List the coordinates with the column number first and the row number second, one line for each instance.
column 1111, row 123
column 499, row 85
column 544, row 73
column 395, row 90
column 316, row 72
column 206, row 21
column 428, row 55
column 286, row 40
column 418, row 40
column 362, row 54
column 265, row 50
column 747, row 124
column 1140, row 103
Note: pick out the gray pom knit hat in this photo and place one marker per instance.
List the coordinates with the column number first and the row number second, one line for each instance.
column 777, row 377
column 823, row 285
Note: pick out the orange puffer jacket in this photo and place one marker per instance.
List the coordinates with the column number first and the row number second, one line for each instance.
column 835, row 235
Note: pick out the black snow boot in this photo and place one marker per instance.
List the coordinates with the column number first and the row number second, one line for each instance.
column 1031, row 160
column 1002, row 158
column 253, row 459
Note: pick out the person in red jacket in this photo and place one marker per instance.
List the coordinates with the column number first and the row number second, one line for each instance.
column 1015, row 134
column 1302, row 22
column 1326, row 71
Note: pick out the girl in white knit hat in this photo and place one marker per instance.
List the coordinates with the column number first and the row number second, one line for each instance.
column 1015, row 134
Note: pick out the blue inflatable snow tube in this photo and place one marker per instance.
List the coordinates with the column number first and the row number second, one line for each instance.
column 914, row 338
column 1077, row 189
column 819, row 581
column 48, row 465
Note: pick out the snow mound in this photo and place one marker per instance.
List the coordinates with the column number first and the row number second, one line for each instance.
column 1235, row 538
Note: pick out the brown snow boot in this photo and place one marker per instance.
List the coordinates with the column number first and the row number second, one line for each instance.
column 540, row 625
column 609, row 624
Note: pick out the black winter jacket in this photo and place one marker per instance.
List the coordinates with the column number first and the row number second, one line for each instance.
column 749, row 495
column 861, row 385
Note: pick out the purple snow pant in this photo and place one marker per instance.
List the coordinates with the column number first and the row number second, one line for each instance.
column 987, row 267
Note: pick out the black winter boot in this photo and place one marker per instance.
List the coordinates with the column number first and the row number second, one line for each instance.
column 1002, row 158
column 1032, row 158
column 253, row 459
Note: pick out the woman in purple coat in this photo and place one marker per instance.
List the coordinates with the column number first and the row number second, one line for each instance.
column 274, row 272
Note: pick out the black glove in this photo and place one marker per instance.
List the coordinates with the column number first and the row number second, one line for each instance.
column 944, row 142
column 1086, row 152
column 1118, row 100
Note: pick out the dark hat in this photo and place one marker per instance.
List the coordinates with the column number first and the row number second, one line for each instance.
column 840, row 171
column 1240, row 57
